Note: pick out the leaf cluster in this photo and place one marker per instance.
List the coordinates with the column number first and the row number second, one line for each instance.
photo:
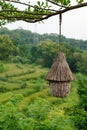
column 9, row 7
column 34, row 13
column 63, row 2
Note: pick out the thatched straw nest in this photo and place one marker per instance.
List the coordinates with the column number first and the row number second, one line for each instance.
column 59, row 77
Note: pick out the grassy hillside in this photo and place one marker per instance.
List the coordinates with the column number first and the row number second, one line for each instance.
column 29, row 80
column 23, row 79
column 26, row 97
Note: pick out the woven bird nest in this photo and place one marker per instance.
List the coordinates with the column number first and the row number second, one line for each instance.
column 59, row 77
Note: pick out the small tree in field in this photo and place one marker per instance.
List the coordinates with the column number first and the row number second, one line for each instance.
column 7, row 48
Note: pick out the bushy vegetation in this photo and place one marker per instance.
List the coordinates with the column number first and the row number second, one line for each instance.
column 39, row 115
column 42, row 52
column 30, row 105
column 23, row 37
column 2, row 68
column 25, row 99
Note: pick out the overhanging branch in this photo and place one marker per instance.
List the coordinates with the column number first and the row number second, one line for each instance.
column 29, row 5
column 33, row 17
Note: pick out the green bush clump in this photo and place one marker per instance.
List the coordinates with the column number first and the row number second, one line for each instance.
column 11, row 118
column 42, row 75
column 38, row 86
column 2, row 68
column 29, row 92
column 43, row 116
column 3, row 88
column 23, row 85
column 16, row 98
column 19, row 59
column 19, row 66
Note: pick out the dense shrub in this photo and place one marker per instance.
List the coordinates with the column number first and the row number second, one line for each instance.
column 80, row 112
column 82, row 89
column 29, row 92
column 18, row 59
column 3, row 88
column 23, row 85
column 2, row 68
column 16, row 98
column 11, row 118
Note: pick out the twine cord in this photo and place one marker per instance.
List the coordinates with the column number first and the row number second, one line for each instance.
column 60, row 22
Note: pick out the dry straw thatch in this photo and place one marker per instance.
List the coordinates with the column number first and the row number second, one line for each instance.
column 59, row 76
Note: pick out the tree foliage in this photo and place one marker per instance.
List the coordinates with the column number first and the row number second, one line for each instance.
column 10, row 118
column 21, row 38
column 45, row 53
column 37, row 12
column 80, row 111
column 21, row 46
column 7, row 48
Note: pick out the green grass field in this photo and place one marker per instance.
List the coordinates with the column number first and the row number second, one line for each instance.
column 21, row 85
column 23, row 79
column 29, row 80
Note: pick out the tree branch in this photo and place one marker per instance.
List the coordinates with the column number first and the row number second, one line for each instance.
column 22, row 3
column 18, row 2
column 36, row 16
column 56, row 4
column 73, row 7
column 24, row 12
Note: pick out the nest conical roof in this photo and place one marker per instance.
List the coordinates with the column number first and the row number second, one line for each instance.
column 60, row 70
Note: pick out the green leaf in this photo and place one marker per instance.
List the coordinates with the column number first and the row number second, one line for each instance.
column 38, row 2
column 79, row 1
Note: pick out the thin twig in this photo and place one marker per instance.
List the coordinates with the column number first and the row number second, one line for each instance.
column 56, row 4
column 22, row 3
column 24, row 12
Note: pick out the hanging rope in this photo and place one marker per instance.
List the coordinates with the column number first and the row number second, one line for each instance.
column 60, row 75
column 60, row 22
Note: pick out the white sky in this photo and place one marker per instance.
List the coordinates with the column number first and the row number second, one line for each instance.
column 74, row 24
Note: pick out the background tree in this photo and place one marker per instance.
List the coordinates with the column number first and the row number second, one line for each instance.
column 7, row 48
